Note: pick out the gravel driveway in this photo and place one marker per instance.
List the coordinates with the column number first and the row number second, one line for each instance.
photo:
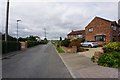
column 91, row 51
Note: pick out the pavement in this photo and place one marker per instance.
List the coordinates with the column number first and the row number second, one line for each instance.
column 80, row 66
column 41, row 61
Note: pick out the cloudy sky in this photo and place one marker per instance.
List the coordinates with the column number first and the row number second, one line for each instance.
column 58, row 17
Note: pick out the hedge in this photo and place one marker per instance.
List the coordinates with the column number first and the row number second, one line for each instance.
column 12, row 46
column 34, row 43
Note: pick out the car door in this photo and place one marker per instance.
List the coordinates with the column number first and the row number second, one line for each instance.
column 85, row 43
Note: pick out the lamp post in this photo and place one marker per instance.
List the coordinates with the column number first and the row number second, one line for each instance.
column 17, row 33
column 6, row 26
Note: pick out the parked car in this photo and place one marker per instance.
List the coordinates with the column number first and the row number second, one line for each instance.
column 89, row 44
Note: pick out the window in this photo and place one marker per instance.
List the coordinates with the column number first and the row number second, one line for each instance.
column 90, row 29
column 119, row 28
column 80, row 36
column 114, row 28
column 69, row 35
column 74, row 35
column 100, row 38
column 114, row 38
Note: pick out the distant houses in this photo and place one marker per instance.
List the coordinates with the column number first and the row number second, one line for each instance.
column 37, row 38
column 76, row 34
column 100, row 30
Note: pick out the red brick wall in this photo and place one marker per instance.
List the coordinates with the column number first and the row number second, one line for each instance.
column 100, row 26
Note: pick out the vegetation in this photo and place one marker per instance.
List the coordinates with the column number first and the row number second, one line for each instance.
column 115, row 46
column 75, row 44
column 60, row 50
column 111, row 56
column 110, row 59
column 12, row 46
column 78, row 40
column 93, row 58
column 57, row 48
column 65, row 42
column 60, row 38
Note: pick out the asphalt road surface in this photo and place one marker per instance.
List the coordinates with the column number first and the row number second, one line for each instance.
column 38, row 62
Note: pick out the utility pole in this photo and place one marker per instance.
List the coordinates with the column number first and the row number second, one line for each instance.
column 45, row 32
column 6, row 26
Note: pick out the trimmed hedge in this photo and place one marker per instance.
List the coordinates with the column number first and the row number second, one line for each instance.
column 12, row 46
column 34, row 43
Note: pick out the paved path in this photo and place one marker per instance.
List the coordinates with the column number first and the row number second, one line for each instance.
column 81, row 67
column 38, row 62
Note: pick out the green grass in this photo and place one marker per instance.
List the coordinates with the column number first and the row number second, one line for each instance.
column 58, row 49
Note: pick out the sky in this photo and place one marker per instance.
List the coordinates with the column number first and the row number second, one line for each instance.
column 58, row 17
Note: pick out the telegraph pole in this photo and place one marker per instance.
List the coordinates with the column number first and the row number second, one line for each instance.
column 6, row 26
column 45, row 32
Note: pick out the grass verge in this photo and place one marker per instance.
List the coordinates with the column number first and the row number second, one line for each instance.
column 57, row 48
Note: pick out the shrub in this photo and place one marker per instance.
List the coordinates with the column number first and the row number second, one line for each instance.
column 11, row 46
column 74, row 44
column 93, row 58
column 115, row 46
column 79, row 40
column 65, row 42
column 74, row 40
column 32, row 43
column 110, row 59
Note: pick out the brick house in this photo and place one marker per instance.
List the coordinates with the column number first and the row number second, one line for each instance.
column 76, row 34
column 102, row 31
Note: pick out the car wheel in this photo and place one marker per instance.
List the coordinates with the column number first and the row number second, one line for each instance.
column 90, row 46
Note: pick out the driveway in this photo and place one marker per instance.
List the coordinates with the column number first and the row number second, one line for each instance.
column 91, row 52
column 38, row 62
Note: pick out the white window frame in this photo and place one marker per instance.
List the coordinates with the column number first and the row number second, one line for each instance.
column 79, row 36
column 90, row 29
column 114, row 28
column 69, row 35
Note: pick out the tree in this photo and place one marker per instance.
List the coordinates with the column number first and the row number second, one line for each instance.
column 31, row 38
column 60, row 38
column 45, row 39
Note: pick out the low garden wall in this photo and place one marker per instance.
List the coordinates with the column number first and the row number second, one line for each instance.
column 69, row 50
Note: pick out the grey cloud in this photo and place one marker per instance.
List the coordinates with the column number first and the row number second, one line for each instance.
column 58, row 18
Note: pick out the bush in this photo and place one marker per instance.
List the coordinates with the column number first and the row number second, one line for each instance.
column 12, row 46
column 79, row 40
column 65, row 42
column 74, row 44
column 115, row 46
column 110, row 59
column 32, row 43
column 93, row 58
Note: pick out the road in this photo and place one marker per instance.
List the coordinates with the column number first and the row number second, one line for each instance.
column 38, row 62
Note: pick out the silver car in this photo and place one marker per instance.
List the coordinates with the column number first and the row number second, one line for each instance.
column 89, row 44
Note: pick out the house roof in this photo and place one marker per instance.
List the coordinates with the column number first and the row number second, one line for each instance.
column 36, row 36
column 77, row 32
column 112, row 22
